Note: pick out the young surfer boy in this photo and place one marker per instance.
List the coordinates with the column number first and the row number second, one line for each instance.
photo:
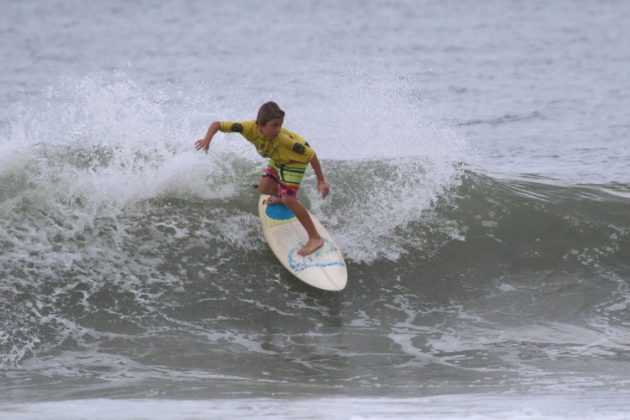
column 288, row 155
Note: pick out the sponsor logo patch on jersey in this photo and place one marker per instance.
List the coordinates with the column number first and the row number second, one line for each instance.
column 299, row 148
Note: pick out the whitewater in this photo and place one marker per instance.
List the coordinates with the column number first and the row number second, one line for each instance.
column 479, row 165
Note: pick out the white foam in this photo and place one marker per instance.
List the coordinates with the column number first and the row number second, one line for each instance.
column 471, row 407
column 107, row 144
column 387, row 158
column 100, row 145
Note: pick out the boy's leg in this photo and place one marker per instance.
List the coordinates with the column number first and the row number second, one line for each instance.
column 314, row 240
column 285, row 182
column 268, row 185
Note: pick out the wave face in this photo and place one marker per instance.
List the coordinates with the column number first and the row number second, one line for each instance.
column 130, row 263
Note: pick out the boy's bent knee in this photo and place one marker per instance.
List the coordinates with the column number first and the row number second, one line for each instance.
column 267, row 186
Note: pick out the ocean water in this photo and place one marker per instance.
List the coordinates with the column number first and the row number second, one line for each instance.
column 479, row 161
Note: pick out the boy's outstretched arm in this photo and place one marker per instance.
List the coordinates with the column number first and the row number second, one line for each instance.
column 322, row 185
column 204, row 143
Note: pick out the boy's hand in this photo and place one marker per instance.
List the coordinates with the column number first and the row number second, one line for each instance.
column 323, row 188
column 202, row 144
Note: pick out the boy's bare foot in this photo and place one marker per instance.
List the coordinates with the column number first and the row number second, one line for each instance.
column 311, row 246
column 273, row 199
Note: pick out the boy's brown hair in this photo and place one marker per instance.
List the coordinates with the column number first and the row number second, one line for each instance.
column 267, row 112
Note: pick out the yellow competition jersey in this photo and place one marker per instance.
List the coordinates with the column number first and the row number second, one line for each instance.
column 286, row 147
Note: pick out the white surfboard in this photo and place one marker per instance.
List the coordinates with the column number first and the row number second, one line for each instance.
column 324, row 269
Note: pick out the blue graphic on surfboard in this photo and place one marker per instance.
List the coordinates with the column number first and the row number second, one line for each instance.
column 324, row 269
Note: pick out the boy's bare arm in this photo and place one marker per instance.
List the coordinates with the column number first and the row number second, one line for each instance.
column 322, row 185
column 204, row 143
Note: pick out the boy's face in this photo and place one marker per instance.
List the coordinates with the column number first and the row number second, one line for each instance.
column 272, row 128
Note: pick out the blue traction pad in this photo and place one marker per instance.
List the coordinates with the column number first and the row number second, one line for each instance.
column 279, row 212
